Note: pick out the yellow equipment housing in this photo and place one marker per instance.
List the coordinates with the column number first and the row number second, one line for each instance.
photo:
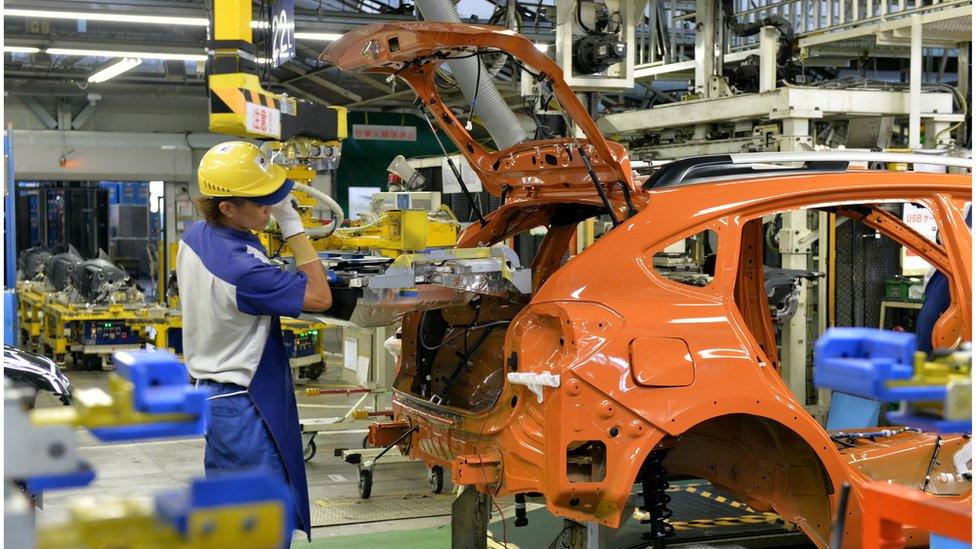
column 397, row 232
column 240, row 106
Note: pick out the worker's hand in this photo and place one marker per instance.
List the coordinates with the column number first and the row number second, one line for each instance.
column 287, row 217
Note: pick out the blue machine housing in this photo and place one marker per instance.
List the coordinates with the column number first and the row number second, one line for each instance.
column 862, row 361
column 161, row 386
column 227, row 490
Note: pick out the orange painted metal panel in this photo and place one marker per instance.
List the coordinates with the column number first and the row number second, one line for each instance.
column 661, row 362
column 735, row 423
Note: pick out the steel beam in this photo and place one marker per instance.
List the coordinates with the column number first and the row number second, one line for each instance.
column 82, row 117
column 673, row 70
column 469, row 520
column 962, row 84
column 781, row 103
column 39, row 111
column 102, row 44
column 385, row 88
column 768, row 49
column 103, row 156
column 915, row 86
column 311, row 97
column 708, row 47
column 322, row 82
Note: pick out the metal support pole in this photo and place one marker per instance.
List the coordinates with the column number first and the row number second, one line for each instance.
column 915, row 86
column 83, row 116
column 963, row 84
column 469, row 520
column 383, row 367
column 795, row 243
column 768, row 48
column 9, row 213
column 11, row 332
column 707, row 57
column 794, row 341
column 596, row 535
column 822, row 310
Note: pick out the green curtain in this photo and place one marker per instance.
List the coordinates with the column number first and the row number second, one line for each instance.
column 363, row 162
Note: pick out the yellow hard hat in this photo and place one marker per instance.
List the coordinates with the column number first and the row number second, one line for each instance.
column 240, row 169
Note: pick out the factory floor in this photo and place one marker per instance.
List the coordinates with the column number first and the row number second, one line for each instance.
column 401, row 511
column 146, row 467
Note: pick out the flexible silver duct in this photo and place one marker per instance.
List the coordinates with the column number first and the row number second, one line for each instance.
column 497, row 116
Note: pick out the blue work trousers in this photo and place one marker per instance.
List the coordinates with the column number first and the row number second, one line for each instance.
column 237, row 438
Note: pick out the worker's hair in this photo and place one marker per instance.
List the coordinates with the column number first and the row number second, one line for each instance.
column 209, row 208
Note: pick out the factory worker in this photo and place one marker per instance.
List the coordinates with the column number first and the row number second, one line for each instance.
column 232, row 298
column 937, row 301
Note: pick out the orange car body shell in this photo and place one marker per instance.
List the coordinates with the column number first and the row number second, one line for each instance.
column 643, row 360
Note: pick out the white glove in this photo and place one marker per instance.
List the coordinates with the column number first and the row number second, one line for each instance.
column 287, row 217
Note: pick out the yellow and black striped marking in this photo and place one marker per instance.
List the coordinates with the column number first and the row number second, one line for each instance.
column 705, row 490
column 762, row 518
column 263, row 99
column 234, row 99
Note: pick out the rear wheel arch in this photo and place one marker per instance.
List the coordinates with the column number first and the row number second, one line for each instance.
column 759, row 459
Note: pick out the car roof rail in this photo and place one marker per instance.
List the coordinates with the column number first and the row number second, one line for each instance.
column 695, row 168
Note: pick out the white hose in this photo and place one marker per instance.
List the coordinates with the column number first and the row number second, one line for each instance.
column 497, row 117
column 322, row 198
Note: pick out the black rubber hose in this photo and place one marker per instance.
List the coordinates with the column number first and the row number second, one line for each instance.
column 599, row 187
column 750, row 29
column 520, row 516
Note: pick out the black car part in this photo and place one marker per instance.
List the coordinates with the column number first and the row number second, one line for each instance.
column 59, row 268
column 31, row 262
column 96, row 279
column 41, row 373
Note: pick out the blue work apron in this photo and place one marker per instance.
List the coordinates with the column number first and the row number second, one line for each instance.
column 273, row 395
column 258, row 427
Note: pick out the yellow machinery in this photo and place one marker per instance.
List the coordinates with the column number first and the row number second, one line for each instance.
column 31, row 296
column 169, row 333
column 65, row 327
column 394, row 233
column 89, row 334
column 400, row 231
column 302, row 137
column 240, row 106
column 304, row 343
column 148, row 397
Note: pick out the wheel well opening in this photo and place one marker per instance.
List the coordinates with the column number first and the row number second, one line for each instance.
column 763, row 463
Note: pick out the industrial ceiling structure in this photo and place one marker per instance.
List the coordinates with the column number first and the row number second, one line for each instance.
column 53, row 47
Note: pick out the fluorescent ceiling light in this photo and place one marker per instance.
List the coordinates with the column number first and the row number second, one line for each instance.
column 115, row 69
column 113, row 17
column 20, row 49
column 322, row 36
column 140, row 55
column 152, row 20
column 542, row 47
